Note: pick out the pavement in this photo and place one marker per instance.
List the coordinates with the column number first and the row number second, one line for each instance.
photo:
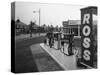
column 33, row 56
column 30, row 57
column 66, row 62
column 44, row 61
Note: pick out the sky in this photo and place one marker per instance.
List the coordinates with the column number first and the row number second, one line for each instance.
column 53, row 14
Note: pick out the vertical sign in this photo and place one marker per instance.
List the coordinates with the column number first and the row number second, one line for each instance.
column 86, row 37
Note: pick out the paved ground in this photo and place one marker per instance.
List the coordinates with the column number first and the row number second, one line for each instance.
column 66, row 62
column 24, row 61
column 35, row 60
column 43, row 60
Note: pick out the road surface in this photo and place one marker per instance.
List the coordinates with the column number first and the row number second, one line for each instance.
column 27, row 61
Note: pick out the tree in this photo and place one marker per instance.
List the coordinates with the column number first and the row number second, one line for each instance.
column 30, row 28
column 18, row 20
column 57, row 28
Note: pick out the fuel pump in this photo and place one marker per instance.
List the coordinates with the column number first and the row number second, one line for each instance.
column 66, row 44
column 49, row 39
column 57, row 40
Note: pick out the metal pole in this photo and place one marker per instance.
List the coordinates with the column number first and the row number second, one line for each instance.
column 39, row 18
column 78, row 30
column 39, row 21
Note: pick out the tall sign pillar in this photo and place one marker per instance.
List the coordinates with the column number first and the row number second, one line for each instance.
column 87, row 36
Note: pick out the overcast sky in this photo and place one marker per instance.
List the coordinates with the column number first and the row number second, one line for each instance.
column 50, row 13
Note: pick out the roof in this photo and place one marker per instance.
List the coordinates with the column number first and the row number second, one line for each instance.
column 94, row 9
column 20, row 23
column 76, row 22
column 90, row 7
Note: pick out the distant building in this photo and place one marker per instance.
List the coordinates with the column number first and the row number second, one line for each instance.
column 74, row 26
column 21, row 27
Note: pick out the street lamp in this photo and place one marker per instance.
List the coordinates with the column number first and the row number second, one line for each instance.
column 39, row 17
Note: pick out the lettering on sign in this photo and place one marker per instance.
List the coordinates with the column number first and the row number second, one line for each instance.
column 86, row 40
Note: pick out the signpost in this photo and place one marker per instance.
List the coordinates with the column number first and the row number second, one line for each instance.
column 87, row 36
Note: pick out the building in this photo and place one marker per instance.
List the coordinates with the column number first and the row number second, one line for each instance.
column 72, row 26
column 21, row 27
